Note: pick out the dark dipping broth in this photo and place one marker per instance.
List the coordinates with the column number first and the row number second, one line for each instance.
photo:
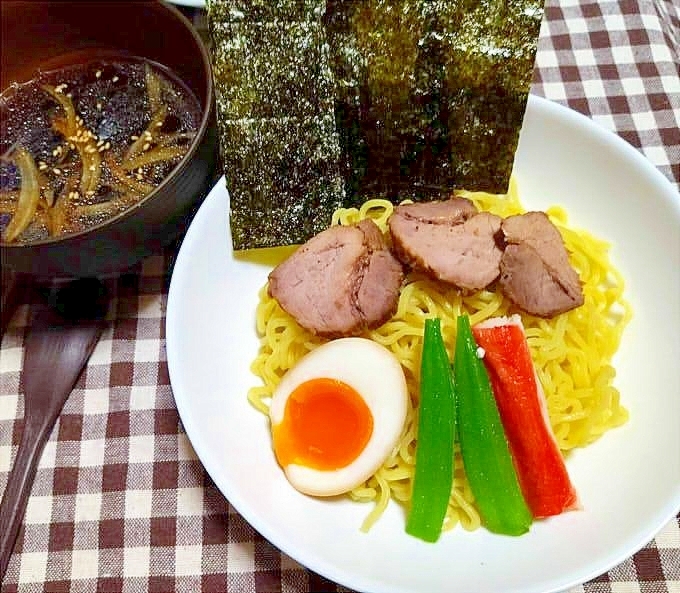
column 83, row 143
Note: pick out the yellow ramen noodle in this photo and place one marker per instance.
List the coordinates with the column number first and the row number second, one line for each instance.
column 572, row 352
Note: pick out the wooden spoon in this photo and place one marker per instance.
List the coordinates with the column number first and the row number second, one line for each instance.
column 57, row 348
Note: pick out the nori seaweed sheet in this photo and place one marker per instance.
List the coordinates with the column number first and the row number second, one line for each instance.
column 291, row 196
column 329, row 103
column 264, row 10
column 276, row 117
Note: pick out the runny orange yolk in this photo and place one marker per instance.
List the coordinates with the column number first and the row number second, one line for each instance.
column 326, row 425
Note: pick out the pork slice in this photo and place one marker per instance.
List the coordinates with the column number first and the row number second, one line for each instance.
column 461, row 249
column 535, row 272
column 373, row 236
column 451, row 211
column 341, row 282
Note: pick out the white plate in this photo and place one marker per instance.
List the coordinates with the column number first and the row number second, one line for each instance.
column 628, row 481
column 194, row 3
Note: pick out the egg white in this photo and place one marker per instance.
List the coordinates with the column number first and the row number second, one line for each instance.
column 376, row 375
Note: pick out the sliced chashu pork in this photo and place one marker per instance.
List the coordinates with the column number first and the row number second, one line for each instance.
column 449, row 240
column 535, row 272
column 341, row 282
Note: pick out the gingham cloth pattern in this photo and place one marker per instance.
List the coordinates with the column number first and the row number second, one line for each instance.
column 122, row 504
column 617, row 61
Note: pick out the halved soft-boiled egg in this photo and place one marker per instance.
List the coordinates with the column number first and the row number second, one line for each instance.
column 337, row 415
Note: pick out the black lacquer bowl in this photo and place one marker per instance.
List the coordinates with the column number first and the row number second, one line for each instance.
column 36, row 35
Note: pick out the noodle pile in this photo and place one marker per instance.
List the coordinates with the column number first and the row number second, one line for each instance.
column 572, row 352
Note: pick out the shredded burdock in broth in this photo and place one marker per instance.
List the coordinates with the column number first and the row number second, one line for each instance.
column 81, row 144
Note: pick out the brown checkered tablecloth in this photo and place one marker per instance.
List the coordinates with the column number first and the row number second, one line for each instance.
column 121, row 502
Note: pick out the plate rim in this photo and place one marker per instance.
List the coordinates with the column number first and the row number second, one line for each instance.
column 190, row 3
